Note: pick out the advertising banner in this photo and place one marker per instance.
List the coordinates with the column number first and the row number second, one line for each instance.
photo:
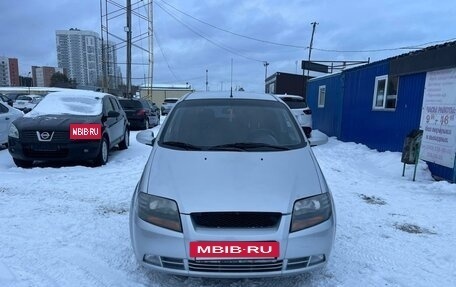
column 438, row 118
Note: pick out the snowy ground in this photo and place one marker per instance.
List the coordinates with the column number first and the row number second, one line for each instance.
column 68, row 226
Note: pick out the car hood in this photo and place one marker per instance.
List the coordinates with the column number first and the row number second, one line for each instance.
column 231, row 181
column 57, row 122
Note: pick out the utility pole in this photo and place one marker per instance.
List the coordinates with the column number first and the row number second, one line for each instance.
column 151, row 48
column 128, row 30
column 314, row 24
column 207, row 80
column 265, row 64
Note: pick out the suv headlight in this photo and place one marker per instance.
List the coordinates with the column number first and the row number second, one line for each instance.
column 13, row 132
column 159, row 211
column 310, row 211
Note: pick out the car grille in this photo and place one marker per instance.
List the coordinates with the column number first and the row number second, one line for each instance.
column 236, row 219
column 59, row 136
column 231, row 266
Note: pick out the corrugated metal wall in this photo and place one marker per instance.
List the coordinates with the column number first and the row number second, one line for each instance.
column 349, row 116
column 328, row 118
column 360, row 124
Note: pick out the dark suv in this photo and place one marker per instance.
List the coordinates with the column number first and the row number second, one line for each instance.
column 69, row 126
column 140, row 113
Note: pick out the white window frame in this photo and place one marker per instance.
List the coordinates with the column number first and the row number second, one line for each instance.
column 321, row 96
column 384, row 95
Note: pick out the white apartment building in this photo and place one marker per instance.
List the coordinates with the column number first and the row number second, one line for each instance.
column 80, row 54
column 4, row 72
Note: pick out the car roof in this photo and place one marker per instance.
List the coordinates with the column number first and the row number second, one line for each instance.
column 80, row 93
column 227, row 95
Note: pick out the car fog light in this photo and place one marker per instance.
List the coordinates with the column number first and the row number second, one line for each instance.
column 152, row 259
column 316, row 259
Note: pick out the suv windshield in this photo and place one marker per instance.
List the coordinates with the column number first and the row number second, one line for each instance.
column 131, row 104
column 170, row 101
column 295, row 102
column 232, row 125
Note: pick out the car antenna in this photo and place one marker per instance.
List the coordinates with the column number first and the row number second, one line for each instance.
column 231, row 88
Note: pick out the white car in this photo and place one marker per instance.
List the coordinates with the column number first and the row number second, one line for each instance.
column 167, row 105
column 301, row 110
column 7, row 115
column 231, row 189
column 26, row 103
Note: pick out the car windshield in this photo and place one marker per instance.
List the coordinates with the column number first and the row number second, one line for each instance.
column 232, row 125
column 68, row 104
column 130, row 104
column 295, row 102
column 24, row 98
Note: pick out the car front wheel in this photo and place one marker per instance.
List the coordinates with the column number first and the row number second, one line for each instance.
column 23, row 163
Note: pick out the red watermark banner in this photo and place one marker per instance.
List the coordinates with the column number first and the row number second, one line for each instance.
column 234, row 249
column 85, row 131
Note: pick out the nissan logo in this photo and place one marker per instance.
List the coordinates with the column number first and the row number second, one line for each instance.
column 45, row 135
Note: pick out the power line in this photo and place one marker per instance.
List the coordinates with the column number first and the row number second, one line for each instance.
column 411, row 47
column 228, row 49
column 233, row 33
column 164, row 56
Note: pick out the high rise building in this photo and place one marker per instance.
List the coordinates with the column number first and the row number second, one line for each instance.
column 80, row 54
column 42, row 75
column 9, row 72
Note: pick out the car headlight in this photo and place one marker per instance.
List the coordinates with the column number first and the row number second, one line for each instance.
column 13, row 132
column 159, row 211
column 310, row 211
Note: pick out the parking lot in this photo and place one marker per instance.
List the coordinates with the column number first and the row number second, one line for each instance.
column 68, row 225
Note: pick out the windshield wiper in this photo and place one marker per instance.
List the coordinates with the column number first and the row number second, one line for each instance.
column 182, row 145
column 243, row 146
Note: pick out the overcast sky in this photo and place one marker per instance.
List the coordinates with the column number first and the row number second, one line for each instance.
column 185, row 47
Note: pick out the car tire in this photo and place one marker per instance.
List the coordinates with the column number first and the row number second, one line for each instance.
column 103, row 154
column 126, row 140
column 146, row 124
column 23, row 163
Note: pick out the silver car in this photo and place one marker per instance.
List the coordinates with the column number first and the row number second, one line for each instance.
column 7, row 115
column 231, row 189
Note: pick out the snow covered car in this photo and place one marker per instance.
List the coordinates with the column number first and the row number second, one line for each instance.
column 7, row 115
column 26, row 103
column 301, row 111
column 73, row 125
column 231, row 189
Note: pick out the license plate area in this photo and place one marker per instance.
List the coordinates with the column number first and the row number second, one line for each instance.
column 45, row 147
column 232, row 250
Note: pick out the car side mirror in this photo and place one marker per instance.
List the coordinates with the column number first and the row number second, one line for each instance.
column 146, row 137
column 113, row 114
column 317, row 138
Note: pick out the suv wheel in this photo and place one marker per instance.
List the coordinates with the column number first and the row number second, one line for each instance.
column 23, row 163
column 102, row 157
column 146, row 124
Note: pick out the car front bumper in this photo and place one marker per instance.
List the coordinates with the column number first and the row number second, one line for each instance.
column 168, row 251
column 71, row 151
